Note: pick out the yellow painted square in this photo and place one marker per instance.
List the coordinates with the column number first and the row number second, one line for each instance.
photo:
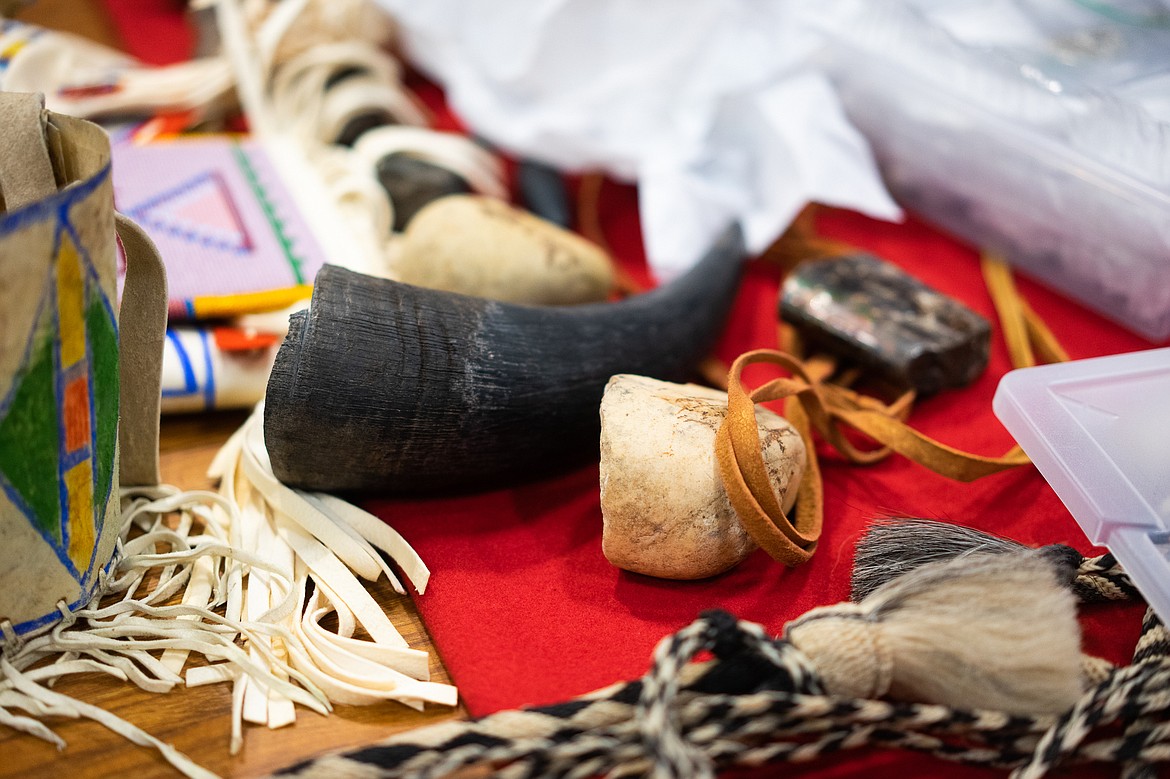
column 79, row 486
column 70, row 303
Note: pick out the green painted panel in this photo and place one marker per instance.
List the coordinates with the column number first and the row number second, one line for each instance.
column 30, row 438
column 103, row 344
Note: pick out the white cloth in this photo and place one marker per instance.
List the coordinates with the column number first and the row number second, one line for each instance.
column 716, row 107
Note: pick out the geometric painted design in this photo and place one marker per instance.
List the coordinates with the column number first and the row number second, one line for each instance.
column 200, row 210
column 103, row 354
column 63, row 411
column 30, row 417
column 232, row 234
column 76, row 414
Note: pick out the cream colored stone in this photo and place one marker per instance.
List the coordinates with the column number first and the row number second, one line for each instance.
column 484, row 247
column 665, row 511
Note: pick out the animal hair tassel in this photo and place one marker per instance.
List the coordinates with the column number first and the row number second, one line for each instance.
column 941, row 633
column 896, row 545
column 984, row 631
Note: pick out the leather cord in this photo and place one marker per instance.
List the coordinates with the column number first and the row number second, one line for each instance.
column 812, row 403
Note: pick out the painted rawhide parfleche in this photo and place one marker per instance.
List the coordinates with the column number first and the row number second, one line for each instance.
column 58, row 366
column 382, row 386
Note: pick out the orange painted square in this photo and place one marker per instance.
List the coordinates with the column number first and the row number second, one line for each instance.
column 76, row 414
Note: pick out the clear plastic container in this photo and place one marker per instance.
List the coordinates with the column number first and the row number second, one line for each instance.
column 1039, row 128
column 1099, row 432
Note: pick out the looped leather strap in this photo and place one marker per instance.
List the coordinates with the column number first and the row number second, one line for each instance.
column 812, row 404
column 741, row 463
column 142, row 332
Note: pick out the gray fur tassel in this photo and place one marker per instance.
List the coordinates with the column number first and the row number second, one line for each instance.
column 896, row 545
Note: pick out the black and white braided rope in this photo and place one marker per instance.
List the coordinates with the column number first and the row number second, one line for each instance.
column 759, row 701
column 1101, row 578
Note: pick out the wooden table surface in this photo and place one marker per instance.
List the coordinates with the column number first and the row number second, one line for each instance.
column 197, row 721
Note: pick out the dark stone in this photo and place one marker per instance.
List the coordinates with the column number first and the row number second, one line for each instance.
column 411, row 183
column 360, row 124
column 866, row 310
column 542, row 191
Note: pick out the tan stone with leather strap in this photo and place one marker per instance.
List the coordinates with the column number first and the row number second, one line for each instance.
column 663, row 507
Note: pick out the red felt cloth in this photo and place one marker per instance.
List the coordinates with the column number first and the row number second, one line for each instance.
column 526, row 610
column 154, row 31
column 523, row 607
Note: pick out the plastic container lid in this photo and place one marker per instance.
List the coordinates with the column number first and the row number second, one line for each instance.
column 1099, row 431
column 1038, row 128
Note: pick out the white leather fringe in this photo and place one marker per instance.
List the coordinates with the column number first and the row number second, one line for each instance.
column 243, row 577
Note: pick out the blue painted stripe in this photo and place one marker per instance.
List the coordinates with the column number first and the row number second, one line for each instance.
column 55, row 616
column 71, row 459
column 190, row 386
column 32, row 338
column 90, row 269
column 57, row 203
column 18, row 501
column 209, row 385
